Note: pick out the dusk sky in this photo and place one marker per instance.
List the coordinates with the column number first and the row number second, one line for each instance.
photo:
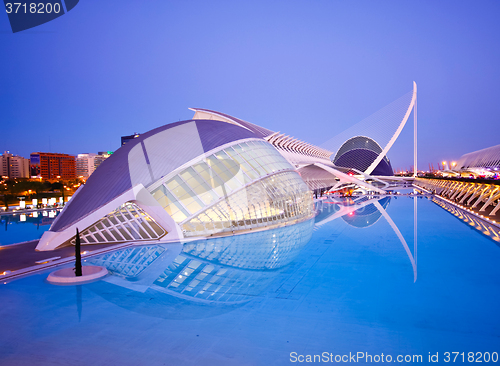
column 310, row 69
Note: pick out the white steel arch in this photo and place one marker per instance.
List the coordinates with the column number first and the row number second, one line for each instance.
column 396, row 134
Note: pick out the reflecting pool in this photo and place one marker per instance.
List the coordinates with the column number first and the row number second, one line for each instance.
column 19, row 227
column 392, row 276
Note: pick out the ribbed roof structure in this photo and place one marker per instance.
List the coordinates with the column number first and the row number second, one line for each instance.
column 485, row 158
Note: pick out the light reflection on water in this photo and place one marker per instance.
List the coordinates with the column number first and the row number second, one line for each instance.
column 20, row 227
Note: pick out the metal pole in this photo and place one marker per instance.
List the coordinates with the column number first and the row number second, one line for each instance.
column 415, row 169
column 415, row 233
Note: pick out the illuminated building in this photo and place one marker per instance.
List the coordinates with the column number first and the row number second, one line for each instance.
column 52, row 165
column 213, row 175
column 13, row 166
column 87, row 163
column 482, row 162
column 195, row 178
column 125, row 139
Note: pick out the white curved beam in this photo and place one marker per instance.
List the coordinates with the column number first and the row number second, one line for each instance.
column 396, row 134
column 349, row 179
column 400, row 236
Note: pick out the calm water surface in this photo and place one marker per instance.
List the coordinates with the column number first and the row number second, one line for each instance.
column 353, row 280
column 19, row 227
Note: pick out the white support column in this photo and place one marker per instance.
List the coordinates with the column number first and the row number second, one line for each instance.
column 415, row 168
column 477, row 193
column 493, row 196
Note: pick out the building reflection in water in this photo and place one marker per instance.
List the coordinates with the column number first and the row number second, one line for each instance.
column 364, row 211
column 207, row 277
column 221, row 273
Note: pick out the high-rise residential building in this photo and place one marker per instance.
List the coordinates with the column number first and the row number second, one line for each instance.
column 52, row 165
column 126, row 139
column 101, row 156
column 87, row 163
column 13, row 166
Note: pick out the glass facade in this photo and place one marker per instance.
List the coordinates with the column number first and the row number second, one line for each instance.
column 127, row 223
column 244, row 186
column 280, row 198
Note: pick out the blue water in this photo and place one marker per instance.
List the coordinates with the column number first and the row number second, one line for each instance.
column 269, row 297
column 16, row 228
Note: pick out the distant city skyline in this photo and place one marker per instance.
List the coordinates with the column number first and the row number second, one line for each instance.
column 78, row 83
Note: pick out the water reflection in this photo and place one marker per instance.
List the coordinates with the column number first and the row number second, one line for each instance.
column 221, row 273
column 365, row 211
column 24, row 226
column 207, row 277
column 36, row 218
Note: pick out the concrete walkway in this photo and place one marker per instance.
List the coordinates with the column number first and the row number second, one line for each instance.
column 18, row 260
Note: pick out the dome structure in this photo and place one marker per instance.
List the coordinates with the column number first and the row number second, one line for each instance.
column 367, row 215
column 359, row 153
column 193, row 178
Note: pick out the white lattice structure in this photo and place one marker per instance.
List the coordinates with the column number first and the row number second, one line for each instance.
column 485, row 158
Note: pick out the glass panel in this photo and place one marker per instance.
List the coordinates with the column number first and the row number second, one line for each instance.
column 253, row 206
column 179, row 216
column 132, row 231
column 139, row 230
column 99, row 238
column 159, row 231
column 163, row 201
column 194, row 207
column 177, row 187
column 90, row 239
column 148, row 229
column 115, row 234
column 107, row 236
column 120, row 217
column 187, row 174
column 124, row 233
column 208, row 198
column 216, row 165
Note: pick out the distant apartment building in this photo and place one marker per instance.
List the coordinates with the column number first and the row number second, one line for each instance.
column 52, row 165
column 13, row 166
column 126, row 139
column 87, row 163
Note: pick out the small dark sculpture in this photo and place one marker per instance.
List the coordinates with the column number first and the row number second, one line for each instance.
column 78, row 255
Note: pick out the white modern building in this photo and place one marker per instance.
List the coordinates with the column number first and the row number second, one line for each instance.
column 194, row 178
column 214, row 175
column 482, row 162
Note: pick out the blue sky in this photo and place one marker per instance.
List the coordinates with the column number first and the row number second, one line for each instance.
column 307, row 68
